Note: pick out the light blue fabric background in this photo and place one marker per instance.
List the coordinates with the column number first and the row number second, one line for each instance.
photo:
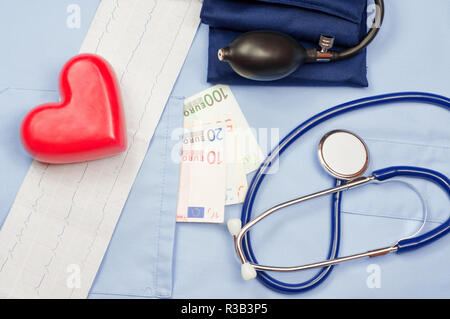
column 405, row 56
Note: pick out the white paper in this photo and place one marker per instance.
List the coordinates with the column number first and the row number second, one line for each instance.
column 56, row 233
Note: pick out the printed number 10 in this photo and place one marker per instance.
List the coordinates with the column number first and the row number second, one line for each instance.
column 214, row 158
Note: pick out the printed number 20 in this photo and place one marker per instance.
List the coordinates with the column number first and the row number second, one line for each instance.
column 213, row 134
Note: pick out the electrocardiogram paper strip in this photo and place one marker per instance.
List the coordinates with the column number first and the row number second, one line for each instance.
column 59, row 227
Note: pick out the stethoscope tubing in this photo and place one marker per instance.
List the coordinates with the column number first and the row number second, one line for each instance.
column 408, row 244
column 437, row 178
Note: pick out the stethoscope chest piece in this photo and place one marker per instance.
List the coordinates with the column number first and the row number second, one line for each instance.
column 343, row 154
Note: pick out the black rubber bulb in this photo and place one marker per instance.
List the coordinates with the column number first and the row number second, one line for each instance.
column 264, row 55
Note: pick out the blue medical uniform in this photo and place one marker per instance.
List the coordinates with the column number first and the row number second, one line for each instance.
column 150, row 256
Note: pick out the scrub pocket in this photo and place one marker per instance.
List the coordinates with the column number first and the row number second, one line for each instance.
column 139, row 259
column 303, row 20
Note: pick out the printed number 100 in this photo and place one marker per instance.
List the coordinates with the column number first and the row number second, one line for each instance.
column 215, row 96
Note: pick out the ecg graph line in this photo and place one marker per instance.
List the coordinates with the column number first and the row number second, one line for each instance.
column 106, row 29
column 60, row 235
column 21, row 232
column 147, row 22
column 34, row 241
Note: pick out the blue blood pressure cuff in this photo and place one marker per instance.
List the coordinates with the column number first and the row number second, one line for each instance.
column 305, row 20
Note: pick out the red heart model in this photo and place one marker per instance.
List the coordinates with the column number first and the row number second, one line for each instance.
column 87, row 124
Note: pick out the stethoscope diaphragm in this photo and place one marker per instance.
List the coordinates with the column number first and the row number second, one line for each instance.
column 343, row 154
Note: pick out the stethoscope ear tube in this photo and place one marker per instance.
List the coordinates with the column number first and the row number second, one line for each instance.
column 418, row 172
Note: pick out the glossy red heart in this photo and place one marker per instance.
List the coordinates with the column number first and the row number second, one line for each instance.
column 87, row 124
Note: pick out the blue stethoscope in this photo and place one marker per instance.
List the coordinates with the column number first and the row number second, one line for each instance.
column 239, row 228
